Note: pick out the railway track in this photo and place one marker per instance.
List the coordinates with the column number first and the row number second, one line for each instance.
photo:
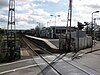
column 26, row 52
column 52, row 65
column 46, row 64
column 30, row 45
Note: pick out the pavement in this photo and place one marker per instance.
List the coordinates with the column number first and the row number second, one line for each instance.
column 91, row 59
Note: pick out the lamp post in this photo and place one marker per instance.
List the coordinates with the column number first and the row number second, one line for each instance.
column 92, row 27
column 47, row 23
column 55, row 24
column 38, row 31
column 94, row 30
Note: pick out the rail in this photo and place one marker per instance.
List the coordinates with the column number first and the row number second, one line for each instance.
column 54, row 61
column 41, row 56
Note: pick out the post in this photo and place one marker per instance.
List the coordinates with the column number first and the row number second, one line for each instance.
column 87, row 29
column 95, row 29
column 47, row 24
column 92, row 31
column 55, row 27
column 78, row 40
column 70, row 17
column 55, row 24
column 92, row 28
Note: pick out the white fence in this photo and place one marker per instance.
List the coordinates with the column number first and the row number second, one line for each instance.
column 84, row 42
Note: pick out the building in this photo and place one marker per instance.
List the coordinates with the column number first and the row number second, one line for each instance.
column 54, row 31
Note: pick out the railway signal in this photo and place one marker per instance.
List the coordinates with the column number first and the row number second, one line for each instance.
column 80, row 25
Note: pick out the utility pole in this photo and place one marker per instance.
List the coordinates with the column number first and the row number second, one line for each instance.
column 11, row 32
column 68, row 27
column 70, row 10
column 10, row 43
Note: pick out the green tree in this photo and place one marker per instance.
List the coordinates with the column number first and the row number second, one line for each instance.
column 1, row 31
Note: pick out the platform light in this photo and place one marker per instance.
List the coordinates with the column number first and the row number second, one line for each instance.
column 55, row 24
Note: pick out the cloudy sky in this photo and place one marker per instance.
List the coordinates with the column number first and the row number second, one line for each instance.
column 31, row 12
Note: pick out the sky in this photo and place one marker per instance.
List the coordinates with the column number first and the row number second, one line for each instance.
column 30, row 13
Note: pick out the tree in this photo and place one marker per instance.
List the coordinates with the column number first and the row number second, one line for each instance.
column 88, row 28
column 1, row 31
column 37, row 31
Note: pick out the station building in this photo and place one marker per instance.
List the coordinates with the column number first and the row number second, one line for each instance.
column 54, row 31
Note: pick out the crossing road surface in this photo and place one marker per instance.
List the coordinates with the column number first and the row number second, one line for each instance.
column 9, row 67
column 35, row 65
column 65, row 67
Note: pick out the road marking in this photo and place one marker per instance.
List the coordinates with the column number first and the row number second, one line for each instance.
column 17, row 62
column 36, row 57
column 24, row 53
column 21, row 68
